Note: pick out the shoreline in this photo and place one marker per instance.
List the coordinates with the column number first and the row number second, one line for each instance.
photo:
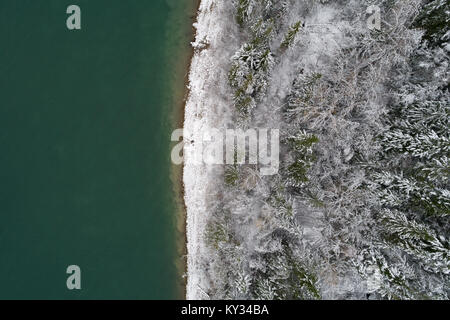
column 180, row 96
column 187, row 214
column 179, row 172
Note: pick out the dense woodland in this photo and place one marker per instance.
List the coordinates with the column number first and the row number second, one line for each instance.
column 360, row 207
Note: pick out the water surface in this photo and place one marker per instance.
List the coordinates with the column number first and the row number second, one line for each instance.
column 84, row 148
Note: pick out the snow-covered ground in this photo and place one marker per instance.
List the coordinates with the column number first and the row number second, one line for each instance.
column 332, row 223
column 208, row 106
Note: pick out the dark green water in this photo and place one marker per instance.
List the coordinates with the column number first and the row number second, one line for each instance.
column 84, row 148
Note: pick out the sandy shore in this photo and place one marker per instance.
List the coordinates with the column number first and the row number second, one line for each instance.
column 180, row 32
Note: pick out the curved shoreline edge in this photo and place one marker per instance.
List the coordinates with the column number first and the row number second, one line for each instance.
column 179, row 33
column 189, row 175
column 180, row 93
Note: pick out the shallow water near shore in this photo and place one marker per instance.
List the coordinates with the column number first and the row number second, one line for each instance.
column 85, row 168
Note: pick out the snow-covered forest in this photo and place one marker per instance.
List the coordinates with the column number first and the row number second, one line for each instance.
column 360, row 207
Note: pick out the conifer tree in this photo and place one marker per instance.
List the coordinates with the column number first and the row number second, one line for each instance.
column 289, row 39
